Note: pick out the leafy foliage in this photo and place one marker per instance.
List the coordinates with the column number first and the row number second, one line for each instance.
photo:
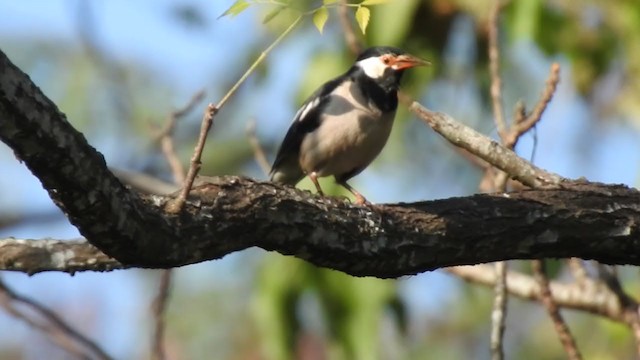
column 319, row 14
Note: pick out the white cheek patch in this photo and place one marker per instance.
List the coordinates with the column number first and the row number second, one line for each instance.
column 373, row 67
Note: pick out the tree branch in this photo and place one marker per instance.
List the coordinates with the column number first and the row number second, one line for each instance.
column 590, row 296
column 487, row 149
column 589, row 221
column 32, row 256
column 546, row 297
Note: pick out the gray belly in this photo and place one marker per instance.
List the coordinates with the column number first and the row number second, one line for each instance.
column 345, row 142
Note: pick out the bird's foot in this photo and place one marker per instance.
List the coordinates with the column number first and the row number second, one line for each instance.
column 360, row 200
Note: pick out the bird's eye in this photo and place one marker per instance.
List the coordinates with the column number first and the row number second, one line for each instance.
column 386, row 60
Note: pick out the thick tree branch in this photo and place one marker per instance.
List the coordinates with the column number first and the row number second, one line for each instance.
column 588, row 221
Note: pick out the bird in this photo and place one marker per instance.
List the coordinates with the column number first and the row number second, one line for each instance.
column 343, row 126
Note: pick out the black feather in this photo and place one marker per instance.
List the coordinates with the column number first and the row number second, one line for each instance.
column 290, row 148
column 382, row 93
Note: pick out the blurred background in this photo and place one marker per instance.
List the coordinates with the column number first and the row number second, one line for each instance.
column 117, row 69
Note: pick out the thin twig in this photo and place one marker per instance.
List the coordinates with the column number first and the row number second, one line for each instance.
column 258, row 151
column 547, row 95
column 168, row 149
column 567, row 340
column 159, row 309
column 519, row 113
column 521, row 126
column 173, row 160
column 165, row 136
column 56, row 328
column 176, row 205
column 355, row 46
column 509, row 137
column 169, row 126
column 499, row 312
column 494, row 67
column 207, row 120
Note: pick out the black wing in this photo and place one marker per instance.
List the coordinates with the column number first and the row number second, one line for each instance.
column 306, row 120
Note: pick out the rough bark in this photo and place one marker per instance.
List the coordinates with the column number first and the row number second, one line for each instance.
column 229, row 214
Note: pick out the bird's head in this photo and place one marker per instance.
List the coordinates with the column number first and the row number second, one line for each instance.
column 384, row 63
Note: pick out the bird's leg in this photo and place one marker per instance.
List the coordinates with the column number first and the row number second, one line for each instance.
column 314, row 178
column 359, row 198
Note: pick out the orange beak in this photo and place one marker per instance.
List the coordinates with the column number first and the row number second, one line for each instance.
column 408, row 61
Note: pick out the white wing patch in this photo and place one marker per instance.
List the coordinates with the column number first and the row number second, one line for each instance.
column 304, row 110
column 373, row 67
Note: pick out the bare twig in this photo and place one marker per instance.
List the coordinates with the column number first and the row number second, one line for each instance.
column 168, row 149
column 355, row 46
column 195, row 163
column 56, row 328
column 258, row 151
column 207, row 120
column 165, row 136
column 567, row 340
column 494, row 67
column 159, row 309
column 510, row 137
column 499, row 312
column 522, row 125
column 486, row 149
column 519, row 113
column 169, row 126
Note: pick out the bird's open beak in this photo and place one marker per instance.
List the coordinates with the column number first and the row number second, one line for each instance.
column 408, row 61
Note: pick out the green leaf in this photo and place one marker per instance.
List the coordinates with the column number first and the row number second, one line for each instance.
column 373, row 2
column 320, row 17
column 235, row 9
column 327, row 2
column 272, row 14
column 362, row 17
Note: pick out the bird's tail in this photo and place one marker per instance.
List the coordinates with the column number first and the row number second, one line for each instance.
column 286, row 173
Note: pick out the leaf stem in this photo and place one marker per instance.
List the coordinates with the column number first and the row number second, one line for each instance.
column 257, row 62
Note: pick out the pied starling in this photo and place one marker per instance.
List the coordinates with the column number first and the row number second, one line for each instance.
column 345, row 124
